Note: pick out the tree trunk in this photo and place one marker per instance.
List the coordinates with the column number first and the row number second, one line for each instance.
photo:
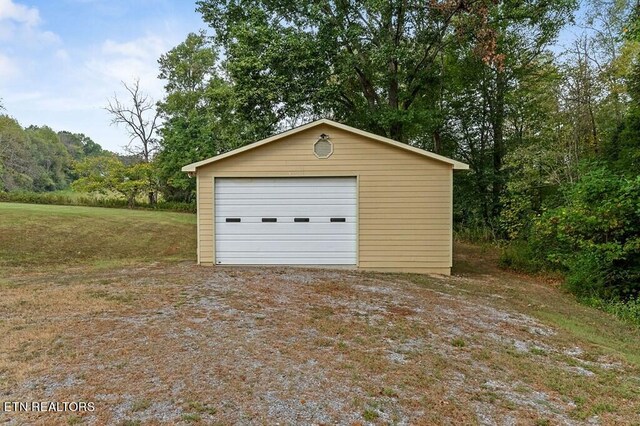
column 396, row 132
column 499, row 150
column 437, row 142
column 396, row 129
column 594, row 127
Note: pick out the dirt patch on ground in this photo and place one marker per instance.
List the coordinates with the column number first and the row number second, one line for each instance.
column 167, row 344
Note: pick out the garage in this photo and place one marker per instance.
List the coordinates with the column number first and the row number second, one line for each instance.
column 285, row 221
column 325, row 193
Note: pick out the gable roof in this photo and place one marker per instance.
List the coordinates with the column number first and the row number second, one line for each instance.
column 457, row 165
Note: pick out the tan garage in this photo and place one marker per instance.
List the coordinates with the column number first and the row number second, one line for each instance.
column 327, row 194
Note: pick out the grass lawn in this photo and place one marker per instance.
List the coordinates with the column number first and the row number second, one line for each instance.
column 107, row 306
column 61, row 236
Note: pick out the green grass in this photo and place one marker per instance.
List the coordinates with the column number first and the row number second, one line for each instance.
column 33, row 235
column 475, row 234
column 112, row 200
column 458, row 342
column 519, row 256
column 74, row 420
column 140, row 405
column 628, row 311
column 369, row 415
column 607, row 333
column 130, row 423
column 191, row 417
column 538, row 351
column 390, row 393
column 114, row 297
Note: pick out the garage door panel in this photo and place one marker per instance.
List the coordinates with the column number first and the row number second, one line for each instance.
column 279, row 254
column 284, row 237
column 266, row 246
column 318, row 241
column 321, row 222
column 328, row 230
column 285, row 211
column 290, row 260
column 286, row 192
column 284, row 200
column 268, row 182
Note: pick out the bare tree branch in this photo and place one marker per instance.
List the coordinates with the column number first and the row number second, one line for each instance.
column 139, row 117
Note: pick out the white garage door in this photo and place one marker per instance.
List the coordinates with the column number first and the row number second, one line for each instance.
column 285, row 221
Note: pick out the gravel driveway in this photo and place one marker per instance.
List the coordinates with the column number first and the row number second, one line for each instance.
column 177, row 343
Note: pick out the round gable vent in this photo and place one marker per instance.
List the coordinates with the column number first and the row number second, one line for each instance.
column 323, row 148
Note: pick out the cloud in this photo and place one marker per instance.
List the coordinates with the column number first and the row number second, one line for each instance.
column 26, row 96
column 8, row 68
column 138, row 48
column 128, row 60
column 20, row 23
column 62, row 54
column 19, row 13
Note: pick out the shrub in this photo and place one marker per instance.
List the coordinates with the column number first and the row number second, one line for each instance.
column 628, row 311
column 475, row 234
column 595, row 236
column 521, row 256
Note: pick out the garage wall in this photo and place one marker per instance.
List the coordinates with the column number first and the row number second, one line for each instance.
column 404, row 199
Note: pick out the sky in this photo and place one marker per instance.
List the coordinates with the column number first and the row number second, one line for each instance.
column 61, row 60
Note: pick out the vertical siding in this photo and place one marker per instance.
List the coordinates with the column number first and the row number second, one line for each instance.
column 404, row 199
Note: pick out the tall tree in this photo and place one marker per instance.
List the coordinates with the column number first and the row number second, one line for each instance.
column 52, row 159
column 106, row 173
column 141, row 120
column 369, row 63
column 611, row 56
column 622, row 151
column 201, row 113
column 384, row 65
column 580, row 95
column 33, row 159
column 585, row 105
column 493, row 104
column 16, row 164
column 139, row 116
column 79, row 145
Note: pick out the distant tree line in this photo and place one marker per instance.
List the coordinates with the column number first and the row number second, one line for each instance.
column 39, row 159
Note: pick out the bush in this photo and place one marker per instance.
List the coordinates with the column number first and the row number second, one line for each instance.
column 67, row 199
column 628, row 311
column 595, row 236
column 475, row 234
column 520, row 256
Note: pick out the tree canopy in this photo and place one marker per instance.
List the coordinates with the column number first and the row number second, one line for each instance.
column 38, row 158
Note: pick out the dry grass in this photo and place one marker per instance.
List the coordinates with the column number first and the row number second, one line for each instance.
column 169, row 342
